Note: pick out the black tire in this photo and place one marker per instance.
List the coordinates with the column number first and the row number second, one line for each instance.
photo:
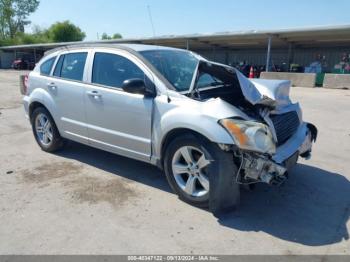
column 57, row 141
column 221, row 173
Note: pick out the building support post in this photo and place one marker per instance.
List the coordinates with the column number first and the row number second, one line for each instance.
column 290, row 56
column 34, row 56
column 187, row 44
column 226, row 58
column 268, row 56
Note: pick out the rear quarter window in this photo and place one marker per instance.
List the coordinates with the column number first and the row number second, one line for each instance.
column 46, row 67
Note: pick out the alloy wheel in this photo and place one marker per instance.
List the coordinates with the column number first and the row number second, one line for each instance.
column 190, row 170
column 43, row 129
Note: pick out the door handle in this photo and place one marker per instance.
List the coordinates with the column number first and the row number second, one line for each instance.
column 94, row 94
column 52, row 86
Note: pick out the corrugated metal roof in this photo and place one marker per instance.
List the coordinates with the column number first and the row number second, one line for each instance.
column 306, row 37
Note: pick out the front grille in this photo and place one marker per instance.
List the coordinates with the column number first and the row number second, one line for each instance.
column 285, row 125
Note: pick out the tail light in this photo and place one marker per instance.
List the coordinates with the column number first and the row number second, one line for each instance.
column 24, row 84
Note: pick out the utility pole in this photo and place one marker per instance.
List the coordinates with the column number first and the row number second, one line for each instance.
column 151, row 20
column 268, row 56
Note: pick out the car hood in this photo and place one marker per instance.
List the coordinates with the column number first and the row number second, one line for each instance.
column 272, row 93
column 262, row 91
column 218, row 109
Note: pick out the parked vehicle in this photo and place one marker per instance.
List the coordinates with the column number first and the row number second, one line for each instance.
column 19, row 64
column 209, row 127
column 22, row 64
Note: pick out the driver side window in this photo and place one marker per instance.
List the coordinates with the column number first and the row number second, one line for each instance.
column 112, row 70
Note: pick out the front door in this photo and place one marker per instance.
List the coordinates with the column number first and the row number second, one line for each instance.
column 117, row 121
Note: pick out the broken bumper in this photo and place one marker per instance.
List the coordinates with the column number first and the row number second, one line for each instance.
column 273, row 170
column 300, row 142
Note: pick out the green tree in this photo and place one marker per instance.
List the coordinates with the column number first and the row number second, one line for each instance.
column 117, row 36
column 104, row 36
column 107, row 37
column 13, row 16
column 65, row 32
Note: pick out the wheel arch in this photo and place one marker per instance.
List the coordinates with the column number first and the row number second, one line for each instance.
column 34, row 105
column 172, row 134
column 41, row 98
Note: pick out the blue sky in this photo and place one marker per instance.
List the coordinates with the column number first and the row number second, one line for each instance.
column 131, row 19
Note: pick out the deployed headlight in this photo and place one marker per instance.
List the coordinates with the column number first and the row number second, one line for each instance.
column 250, row 135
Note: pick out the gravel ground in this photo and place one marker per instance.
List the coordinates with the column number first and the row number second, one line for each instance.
column 86, row 201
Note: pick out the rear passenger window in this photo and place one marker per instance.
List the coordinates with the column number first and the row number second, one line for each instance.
column 71, row 66
column 112, row 70
column 45, row 68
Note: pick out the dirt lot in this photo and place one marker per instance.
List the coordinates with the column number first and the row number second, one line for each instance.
column 86, row 201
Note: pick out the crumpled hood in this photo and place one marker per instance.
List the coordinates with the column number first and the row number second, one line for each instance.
column 272, row 93
column 219, row 109
column 267, row 92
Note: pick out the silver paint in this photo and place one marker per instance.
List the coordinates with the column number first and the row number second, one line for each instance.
column 136, row 126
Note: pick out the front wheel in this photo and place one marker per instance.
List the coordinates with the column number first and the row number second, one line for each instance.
column 201, row 173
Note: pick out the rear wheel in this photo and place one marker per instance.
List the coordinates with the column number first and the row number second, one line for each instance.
column 45, row 131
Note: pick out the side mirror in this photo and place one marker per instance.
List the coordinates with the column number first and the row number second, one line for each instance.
column 138, row 86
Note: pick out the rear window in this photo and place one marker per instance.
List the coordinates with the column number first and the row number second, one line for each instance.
column 45, row 68
column 71, row 66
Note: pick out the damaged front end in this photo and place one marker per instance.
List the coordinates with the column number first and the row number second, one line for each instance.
column 269, row 135
column 268, row 146
column 262, row 165
column 264, row 168
column 259, row 168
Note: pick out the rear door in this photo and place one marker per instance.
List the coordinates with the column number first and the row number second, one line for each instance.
column 67, row 89
column 118, row 121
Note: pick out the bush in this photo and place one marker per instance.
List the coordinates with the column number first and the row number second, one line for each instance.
column 65, row 32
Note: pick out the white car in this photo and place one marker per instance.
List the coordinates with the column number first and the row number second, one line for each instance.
column 209, row 127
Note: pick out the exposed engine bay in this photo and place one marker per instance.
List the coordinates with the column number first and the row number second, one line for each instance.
column 263, row 101
column 216, row 81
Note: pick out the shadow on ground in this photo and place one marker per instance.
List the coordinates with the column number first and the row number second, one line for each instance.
column 125, row 167
column 311, row 208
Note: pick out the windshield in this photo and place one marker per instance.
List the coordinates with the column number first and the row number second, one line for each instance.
column 175, row 65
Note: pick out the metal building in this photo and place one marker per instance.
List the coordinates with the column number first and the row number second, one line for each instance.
column 275, row 47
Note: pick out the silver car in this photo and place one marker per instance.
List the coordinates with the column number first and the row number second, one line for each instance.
column 205, row 124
